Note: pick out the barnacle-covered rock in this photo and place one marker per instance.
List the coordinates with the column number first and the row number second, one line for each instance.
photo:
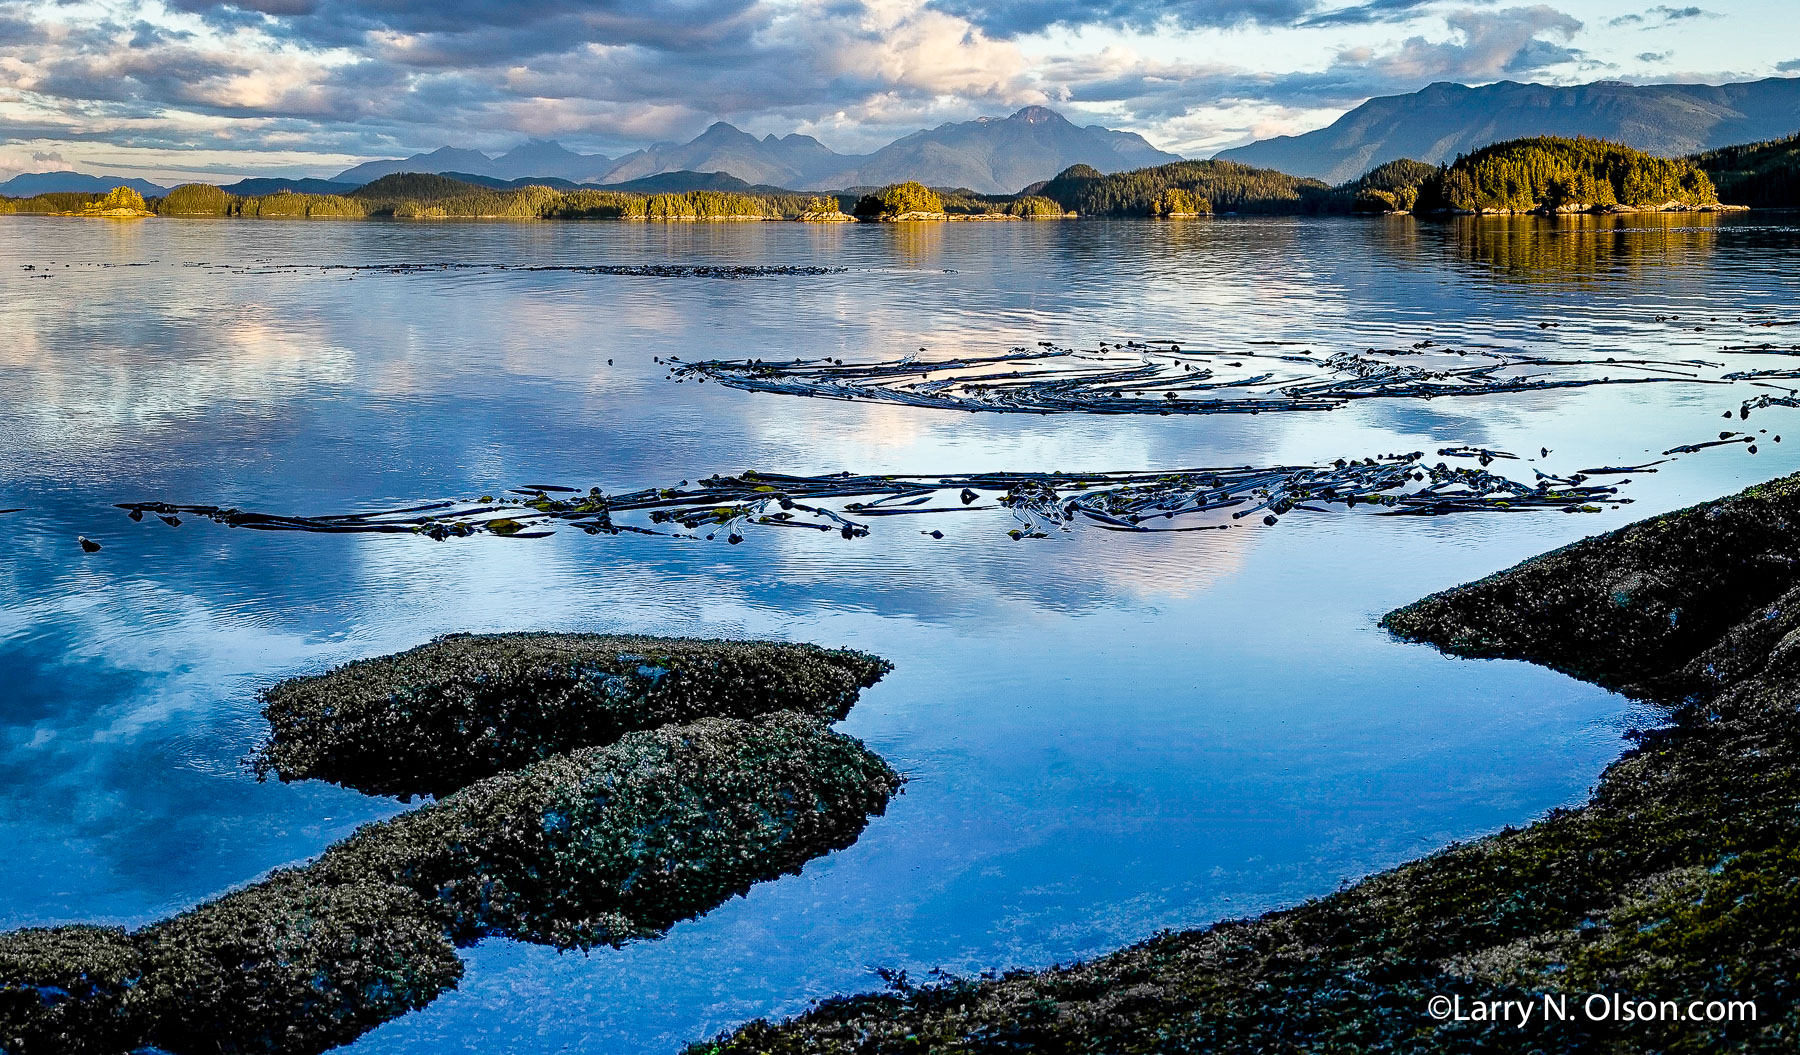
column 292, row 965
column 1627, row 609
column 610, row 844
column 69, row 991
column 446, row 714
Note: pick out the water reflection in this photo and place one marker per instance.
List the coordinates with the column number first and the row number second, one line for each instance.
column 1107, row 734
column 1582, row 250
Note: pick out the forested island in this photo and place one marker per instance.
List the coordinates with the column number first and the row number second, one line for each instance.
column 1543, row 175
column 1759, row 175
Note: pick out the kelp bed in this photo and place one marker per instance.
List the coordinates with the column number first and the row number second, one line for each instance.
column 847, row 504
column 704, row 768
column 1677, row 883
column 1172, row 377
column 1166, row 377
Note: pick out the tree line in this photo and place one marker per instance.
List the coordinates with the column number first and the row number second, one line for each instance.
column 1552, row 173
column 1761, row 175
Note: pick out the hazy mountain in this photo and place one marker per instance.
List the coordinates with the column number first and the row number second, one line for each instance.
column 547, row 158
column 1444, row 120
column 1000, row 155
column 992, row 155
column 790, row 161
column 443, row 159
column 27, row 184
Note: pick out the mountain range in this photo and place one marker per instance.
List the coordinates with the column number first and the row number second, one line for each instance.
column 992, row 155
column 27, row 184
column 1442, row 121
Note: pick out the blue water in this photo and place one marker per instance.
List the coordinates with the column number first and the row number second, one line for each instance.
column 1106, row 734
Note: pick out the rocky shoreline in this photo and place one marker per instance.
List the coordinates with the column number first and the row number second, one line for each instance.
column 1673, row 895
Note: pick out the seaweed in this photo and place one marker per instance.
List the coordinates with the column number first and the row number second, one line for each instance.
column 1132, row 501
column 1167, row 377
column 446, row 714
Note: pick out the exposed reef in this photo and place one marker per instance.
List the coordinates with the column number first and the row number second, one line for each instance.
column 1631, row 607
column 446, row 714
column 1678, row 884
column 598, row 845
column 612, row 844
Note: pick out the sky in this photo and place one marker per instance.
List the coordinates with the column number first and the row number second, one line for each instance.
column 195, row 89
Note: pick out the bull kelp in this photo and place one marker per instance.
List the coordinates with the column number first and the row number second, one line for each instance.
column 1167, row 377
column 1196, row 499
column 603, row 845
column 443, row 715
column 1672, row 889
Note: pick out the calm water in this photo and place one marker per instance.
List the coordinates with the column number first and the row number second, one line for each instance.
column 1106, row 734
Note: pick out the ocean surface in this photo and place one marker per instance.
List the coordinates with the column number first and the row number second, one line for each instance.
column 1106, row 734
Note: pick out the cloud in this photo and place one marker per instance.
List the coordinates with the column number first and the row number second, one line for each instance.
column 1489, row 44
column 1661, row 15
column 1011, row 18
column 1208, row 105
column 1374, row 11
column 1790, row 66
column 382, row 76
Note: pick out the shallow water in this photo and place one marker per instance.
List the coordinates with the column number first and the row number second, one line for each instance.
column 1106, row 734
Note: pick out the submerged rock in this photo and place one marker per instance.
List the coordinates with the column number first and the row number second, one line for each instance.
column 444, row 715
column 1678, row 884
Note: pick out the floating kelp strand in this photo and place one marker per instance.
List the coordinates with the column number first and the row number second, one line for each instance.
column 1724, row 439
column 1614, row 470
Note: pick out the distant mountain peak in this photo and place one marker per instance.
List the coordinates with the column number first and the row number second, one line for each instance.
column 1037, row 115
